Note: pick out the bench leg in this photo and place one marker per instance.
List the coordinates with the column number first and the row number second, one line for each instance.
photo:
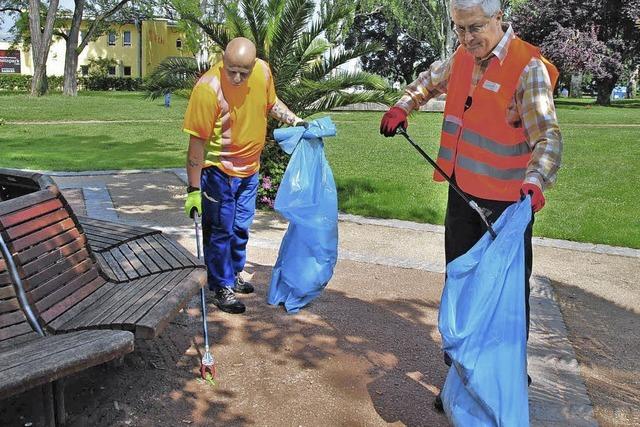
column 53, row 404
column 48, row 405
column 58, row 395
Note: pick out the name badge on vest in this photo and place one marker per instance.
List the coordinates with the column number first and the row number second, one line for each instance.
column 492, row 86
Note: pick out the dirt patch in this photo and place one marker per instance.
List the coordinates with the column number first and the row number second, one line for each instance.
column 366, row 352
column 606, row 339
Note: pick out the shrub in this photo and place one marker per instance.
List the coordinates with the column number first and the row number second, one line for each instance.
column 98, row 82
column 273, row 164
column 22, row 82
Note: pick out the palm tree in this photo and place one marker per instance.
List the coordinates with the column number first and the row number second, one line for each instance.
column 305, row 66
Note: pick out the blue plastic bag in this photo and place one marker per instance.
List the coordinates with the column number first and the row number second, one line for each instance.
column 482, row 321
column 307, row 197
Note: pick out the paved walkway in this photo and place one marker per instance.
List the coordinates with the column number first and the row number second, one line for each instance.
column 380, row 262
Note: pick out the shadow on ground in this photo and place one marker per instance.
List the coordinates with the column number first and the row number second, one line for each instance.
column 606, row 340
column 351, row 350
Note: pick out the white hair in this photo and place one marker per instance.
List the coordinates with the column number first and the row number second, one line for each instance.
column 489, row 7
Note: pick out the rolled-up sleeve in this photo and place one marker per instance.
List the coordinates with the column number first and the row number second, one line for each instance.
column 534, row 101
column 202, row 111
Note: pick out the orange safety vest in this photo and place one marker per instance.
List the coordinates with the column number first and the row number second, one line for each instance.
column 490, row 155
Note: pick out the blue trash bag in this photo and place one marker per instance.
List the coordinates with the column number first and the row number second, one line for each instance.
column 482, row 321
column 307, row 197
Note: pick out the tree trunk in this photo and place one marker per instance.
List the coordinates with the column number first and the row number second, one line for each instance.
column 71, row 54
column 604, row 91
column 39, row 82
column 40, row 44
column 575, row 87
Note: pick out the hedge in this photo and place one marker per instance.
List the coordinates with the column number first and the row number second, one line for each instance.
column 21, row 82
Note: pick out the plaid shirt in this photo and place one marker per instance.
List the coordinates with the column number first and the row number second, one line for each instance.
column 532, row 107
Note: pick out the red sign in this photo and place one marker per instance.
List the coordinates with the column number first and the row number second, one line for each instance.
column 10, row 61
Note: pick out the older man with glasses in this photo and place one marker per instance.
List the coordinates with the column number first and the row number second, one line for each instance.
column 500, row 137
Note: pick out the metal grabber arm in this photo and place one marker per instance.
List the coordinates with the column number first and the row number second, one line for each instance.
column 208, row 363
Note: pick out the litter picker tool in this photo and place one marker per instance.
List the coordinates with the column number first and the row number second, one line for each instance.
column 482, row 212
column 208, row 363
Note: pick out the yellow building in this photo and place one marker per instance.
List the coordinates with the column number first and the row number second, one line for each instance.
column 136, row 48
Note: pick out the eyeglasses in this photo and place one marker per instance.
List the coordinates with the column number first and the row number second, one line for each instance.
column 471, row 29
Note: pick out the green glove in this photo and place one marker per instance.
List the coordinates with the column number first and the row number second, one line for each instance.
column 193, row 202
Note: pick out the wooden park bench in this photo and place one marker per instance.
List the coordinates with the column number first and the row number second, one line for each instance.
column 82, row 275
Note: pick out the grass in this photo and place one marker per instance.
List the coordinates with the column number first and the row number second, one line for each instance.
column 593, row 201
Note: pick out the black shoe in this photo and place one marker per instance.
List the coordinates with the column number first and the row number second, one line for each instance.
column 225, row 300
column 437, row 403
column 242, row 287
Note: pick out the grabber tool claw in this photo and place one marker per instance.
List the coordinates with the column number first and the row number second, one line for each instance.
column 208, row 363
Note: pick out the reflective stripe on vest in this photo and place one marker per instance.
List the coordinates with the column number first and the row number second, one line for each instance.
column 481, row 168
column 445, row 153
column 480, row 141
column 451, row 125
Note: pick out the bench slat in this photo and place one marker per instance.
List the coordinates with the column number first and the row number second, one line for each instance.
column 49, row 245
column 74, row 251
column 107, row 303
column 12, row 205
column 157, row 319
column 36, row 224
column 166, row 256
column 105, row 267
column 144, row 257
column 115, row 267
column 143, row 298
column 151, row 300
column 68, row 316
column 54, row 357
column 188, row 257
column 65, row 288
column 7, row 305
column 15, row 331
column 132, row 257
column 52, row 284
column 177, row 254
column 155, row 256
column 31, row 212
column 42, row 235
column 124, row 263
column 72, row 300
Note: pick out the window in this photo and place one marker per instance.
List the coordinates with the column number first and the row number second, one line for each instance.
column 126, row 38
column 112, row 70
column 84, row 70
column 112, row 38
column 127, row 71
column 179, row 44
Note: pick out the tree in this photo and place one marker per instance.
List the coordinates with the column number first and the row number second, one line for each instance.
column 606, row 26
column 424, row 21
column 305, row 66
column 402, row 56
column 41, row 43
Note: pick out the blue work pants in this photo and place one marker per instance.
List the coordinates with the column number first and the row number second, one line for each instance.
column 228, row 208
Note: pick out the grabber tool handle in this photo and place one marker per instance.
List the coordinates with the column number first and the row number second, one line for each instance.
column 207, row 364
column 402, row 131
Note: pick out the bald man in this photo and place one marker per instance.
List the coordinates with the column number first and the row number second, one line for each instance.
column 227, row 123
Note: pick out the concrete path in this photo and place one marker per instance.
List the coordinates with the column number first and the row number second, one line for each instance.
column 385, row 263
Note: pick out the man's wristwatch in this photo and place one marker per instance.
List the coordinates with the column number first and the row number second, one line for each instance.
column 190, row 189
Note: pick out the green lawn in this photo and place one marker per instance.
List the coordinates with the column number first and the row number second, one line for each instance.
column 594, row 201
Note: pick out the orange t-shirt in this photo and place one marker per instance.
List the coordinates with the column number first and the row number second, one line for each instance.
column 232, row 119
